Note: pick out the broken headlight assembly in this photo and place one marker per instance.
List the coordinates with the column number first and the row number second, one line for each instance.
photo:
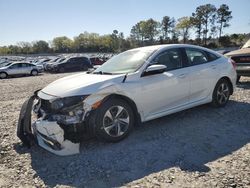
column 68, row 110
column 67, row 102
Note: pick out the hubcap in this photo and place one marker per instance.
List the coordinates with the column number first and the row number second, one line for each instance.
column 116, row 121
column 223, row 93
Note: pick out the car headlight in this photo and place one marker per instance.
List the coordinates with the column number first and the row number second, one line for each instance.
column 67, row 102
column 57, row 104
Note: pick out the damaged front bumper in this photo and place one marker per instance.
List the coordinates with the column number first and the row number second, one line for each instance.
column 47, row 131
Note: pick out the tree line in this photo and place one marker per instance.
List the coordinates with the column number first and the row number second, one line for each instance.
column 206, row 23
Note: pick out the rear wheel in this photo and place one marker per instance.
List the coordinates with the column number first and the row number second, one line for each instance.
column 115, row 120
column 3, row 75
column 34, row 73
column 221, row 93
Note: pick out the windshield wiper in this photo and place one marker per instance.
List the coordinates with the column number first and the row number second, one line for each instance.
column 100, row 72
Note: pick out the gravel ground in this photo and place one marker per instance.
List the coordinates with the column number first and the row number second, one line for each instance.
column 199, row 147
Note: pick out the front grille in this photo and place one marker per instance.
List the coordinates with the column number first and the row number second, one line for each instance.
column 241, row 59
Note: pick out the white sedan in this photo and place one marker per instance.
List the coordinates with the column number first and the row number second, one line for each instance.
column 19, row 68
column 137, row 85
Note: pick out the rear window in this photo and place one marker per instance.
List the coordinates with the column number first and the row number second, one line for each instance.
column 196, row 57
column 211, row 56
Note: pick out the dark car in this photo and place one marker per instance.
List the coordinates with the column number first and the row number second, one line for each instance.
column 53, row 61
column 71, row 64
column 242, row 59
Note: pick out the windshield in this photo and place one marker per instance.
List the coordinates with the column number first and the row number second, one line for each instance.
column 247, row 45
column 125, row 62
column 63, row 60
column 5, row 64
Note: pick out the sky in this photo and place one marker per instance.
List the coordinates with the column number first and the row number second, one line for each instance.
column 32, row 20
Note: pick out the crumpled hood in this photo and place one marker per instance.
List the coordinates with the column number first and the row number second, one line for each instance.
column 80, row 84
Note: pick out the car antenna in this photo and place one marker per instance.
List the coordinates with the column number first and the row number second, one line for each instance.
column 125, row 77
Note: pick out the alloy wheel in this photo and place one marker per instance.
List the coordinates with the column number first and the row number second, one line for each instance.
column 116, row 121
column 223, row 93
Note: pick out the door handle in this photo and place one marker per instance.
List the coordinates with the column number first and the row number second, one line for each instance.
column 182, row 75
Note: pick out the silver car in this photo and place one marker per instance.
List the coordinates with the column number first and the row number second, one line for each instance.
column 19, row 69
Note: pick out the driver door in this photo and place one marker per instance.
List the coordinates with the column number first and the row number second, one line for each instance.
column 15, row 69
column 165, row 92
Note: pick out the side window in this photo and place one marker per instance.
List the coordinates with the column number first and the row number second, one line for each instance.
column 15, row 66
column 212, row 57
column 196, row 57
column 25, row 65
column 170, row 58
column 79, row 60
column 73, row 60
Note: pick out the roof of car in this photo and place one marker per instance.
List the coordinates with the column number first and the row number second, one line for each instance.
column 163, row 46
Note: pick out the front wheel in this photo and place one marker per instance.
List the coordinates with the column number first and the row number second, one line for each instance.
column 115, row 120
column 221, row 93
column 3, row 75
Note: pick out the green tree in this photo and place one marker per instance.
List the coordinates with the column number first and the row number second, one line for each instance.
column 40, row 47
column 137, row 32
column 204, row 16
column 62, row 44
column 225, row 41
column 151, row 29
column 224, row 16
column 197, row 21
column 183, row 26
column 145, row 30
column 24, row 48
column 4, row 50
column 167, row 26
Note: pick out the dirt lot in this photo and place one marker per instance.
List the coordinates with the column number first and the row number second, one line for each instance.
column 200, row 147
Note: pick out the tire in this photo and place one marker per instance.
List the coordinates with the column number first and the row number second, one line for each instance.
column 112, row 125
column 3, row 75
column 238, row 79
column 61, row 70
column 221, row 93
column 34, row 73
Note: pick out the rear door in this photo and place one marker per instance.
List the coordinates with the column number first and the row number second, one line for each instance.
column 26, row 68
column 203, row 74
column 73, row 65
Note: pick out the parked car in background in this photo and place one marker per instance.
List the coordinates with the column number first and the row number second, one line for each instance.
column 70, row 64
column 41, row 62
column 137, row 85
column 97, row 60
column 19, row 68
column 54, row 61
column 242, row 59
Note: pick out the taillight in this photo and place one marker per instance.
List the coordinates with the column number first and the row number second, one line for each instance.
column 233, row 62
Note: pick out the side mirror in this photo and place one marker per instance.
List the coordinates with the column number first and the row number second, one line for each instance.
column 154, row 69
